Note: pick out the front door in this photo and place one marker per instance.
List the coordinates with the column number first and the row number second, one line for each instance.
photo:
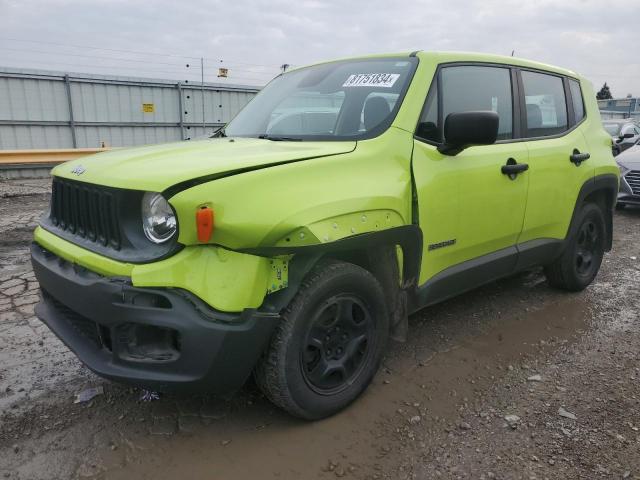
column 468, row 209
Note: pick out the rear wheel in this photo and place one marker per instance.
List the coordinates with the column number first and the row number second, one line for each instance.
column 578, row 265
column 329, row 344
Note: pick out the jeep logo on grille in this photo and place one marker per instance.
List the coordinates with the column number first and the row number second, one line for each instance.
column 78, row 170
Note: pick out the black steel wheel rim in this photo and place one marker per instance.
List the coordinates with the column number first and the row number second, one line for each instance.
column 337, row 344
column 587, row 251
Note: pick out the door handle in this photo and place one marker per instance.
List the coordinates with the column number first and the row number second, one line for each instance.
column 577, row 157
column 513, row 168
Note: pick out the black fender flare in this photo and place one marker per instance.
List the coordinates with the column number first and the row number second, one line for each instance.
column 608, row 184
column 408, row 237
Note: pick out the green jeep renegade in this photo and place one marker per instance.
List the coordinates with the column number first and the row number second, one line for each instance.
column 344, row 197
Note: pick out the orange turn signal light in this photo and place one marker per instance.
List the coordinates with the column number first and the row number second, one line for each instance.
column 204, row 223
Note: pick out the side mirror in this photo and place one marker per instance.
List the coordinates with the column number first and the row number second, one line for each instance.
column 627, row 135
column 465, row 129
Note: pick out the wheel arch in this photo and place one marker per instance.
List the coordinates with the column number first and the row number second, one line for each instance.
column 601, row 190
column 374, row 251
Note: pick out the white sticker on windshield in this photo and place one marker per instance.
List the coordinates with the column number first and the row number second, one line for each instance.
column 385, row 80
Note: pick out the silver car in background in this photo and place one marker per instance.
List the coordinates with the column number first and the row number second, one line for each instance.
column 629, row 163
column 624, row 133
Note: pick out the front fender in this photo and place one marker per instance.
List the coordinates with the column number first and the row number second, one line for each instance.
column 307, row 202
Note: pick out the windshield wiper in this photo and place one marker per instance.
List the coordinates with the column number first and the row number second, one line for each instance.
column 276, row 138
column 218, row 133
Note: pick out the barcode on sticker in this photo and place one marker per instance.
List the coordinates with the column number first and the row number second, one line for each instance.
column 385, row 80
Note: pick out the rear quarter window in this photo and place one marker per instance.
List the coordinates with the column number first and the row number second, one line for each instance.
column 576, row 99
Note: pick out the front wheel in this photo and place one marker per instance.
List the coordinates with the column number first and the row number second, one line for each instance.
column 329, row 343
column 578, row 265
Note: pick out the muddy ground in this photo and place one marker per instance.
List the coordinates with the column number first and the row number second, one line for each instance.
column 514, row 380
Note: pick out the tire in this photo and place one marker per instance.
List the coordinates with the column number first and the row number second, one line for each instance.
column 620, row 206
column 580, row 261
column 313, row 339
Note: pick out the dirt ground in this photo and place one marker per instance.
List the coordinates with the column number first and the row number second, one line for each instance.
column 512, row 381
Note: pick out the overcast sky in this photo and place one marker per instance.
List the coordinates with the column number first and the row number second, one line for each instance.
column 254, row 37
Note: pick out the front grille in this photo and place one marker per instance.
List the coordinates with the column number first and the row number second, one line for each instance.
column 633, row 179
column 88, row 211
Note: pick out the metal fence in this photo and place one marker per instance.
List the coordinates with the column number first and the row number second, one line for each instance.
column 42, row 109
column 608, row 115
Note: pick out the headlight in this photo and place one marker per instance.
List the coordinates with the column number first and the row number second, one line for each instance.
column 158, row 220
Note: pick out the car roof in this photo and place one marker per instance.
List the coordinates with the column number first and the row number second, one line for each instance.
column 446, row 57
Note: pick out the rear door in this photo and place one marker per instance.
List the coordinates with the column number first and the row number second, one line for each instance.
column 553, row 112
column 467, row 208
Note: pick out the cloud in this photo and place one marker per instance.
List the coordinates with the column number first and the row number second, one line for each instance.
column 256, row 36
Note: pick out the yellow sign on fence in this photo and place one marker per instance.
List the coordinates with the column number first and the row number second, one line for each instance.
column 148, row 107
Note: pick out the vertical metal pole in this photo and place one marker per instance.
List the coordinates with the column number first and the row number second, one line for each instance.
column 72, row 124
column 180, row 110
column 204, row 125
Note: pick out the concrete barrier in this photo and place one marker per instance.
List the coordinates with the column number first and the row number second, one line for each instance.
column 37, row 163
column 52, row 156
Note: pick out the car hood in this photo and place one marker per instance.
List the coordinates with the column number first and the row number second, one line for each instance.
column 630, row 158
column 158, row 167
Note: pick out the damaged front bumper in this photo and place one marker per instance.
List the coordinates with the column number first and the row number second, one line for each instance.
column 157, row 338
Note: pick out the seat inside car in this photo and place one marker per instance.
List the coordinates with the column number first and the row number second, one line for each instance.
column 534, row 116
column 376, row 109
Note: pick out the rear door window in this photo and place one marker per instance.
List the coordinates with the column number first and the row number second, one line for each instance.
column 546, row 104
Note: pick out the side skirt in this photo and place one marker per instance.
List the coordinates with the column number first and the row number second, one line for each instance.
column 482, row 270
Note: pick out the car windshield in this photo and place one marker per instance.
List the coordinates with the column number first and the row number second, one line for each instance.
column 612, row 128
column 342, row 100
